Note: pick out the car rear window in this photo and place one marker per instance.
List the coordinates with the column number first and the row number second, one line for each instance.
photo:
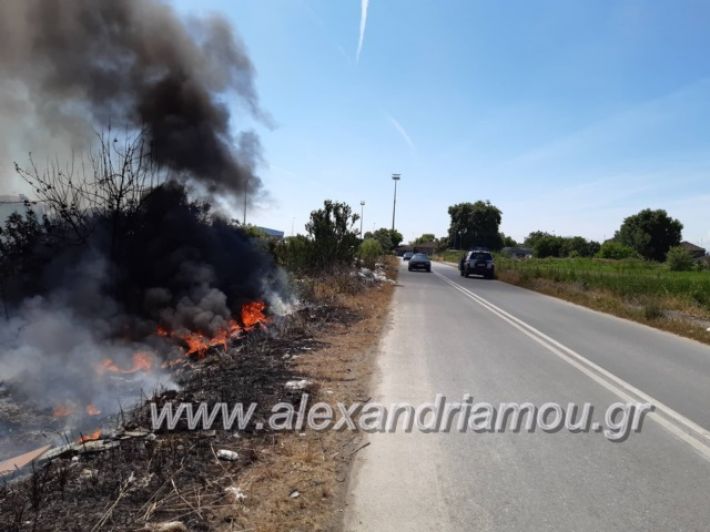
column 481, row 256
column 419, row 256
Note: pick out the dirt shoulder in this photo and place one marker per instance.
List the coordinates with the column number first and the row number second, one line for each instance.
column 300, row 480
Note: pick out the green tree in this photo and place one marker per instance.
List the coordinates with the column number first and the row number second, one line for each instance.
column 508, row 242
column 549, row 246
column 651, row 233
column 333, row 234
column 680, row 260
column 442, row 243
column 475, row 224
column 533, row 237
column 577, row 246
column 424, row 239
column 388, row 238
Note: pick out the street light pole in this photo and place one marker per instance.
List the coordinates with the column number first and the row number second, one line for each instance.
column 395, row 178
column 362, row 215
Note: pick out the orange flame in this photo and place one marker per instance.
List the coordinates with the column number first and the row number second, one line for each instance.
column 92, row 410
column 93, row 436
column 197, row 344
column 63, row 410
column 253, row 314
column 142, row 361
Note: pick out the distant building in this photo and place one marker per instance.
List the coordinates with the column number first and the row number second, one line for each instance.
column 272, row 233
column 696, row 251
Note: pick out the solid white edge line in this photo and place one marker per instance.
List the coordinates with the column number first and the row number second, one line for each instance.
column 602, row 376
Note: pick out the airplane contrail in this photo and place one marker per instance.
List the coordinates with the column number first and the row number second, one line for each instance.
column 363, row 23
column 403, row 132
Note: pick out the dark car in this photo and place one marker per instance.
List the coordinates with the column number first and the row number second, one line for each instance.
column 477, row 262
column 419, row 261
column 407, row 255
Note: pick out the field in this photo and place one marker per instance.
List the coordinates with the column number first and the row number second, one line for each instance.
column 647, row 292
column 633, row 280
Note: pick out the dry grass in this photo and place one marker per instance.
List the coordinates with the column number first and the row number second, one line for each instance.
column 316, row 464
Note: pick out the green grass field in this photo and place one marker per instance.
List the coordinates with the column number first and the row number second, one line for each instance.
column 629, row 279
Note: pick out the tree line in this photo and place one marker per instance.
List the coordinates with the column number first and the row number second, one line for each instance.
column 648, row 234
column 332, row 238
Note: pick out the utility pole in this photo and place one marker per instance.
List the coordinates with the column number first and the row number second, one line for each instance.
column 395, row 178
column 362, row 215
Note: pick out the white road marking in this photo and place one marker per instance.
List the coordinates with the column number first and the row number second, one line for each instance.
column 674, row 422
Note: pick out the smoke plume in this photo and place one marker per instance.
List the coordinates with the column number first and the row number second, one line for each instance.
column 120, row 273
column 69, row 67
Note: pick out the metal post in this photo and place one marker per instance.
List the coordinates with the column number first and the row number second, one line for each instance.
column 395, row 178
column 362, row 216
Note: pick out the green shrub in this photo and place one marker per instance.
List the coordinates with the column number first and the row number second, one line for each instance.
column 615, row 250
column 370, row 250
column 294, row 253
column 333, row 236
column 679, row 260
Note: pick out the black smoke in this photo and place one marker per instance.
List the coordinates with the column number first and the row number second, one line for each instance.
column 133, row 64
column 68, row 68
column 173, row 265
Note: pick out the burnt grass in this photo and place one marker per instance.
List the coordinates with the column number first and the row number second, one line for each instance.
column 174, row 475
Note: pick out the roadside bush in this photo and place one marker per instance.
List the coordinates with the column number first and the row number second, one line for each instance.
column 616, row 250
column 294, row 253
column 331, row 244
column 370, row 250
column 679, row 260
column 334, row 239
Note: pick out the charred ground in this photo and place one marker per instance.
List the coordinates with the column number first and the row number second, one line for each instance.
column 175, row 476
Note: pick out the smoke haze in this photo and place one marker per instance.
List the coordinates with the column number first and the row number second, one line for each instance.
column 67, row 68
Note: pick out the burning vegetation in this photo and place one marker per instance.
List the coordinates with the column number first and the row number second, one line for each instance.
column 121, row 280
column 115, row 270
column 115, row 274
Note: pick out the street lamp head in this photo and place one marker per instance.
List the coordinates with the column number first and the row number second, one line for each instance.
column 362, row 203
column 396, row 177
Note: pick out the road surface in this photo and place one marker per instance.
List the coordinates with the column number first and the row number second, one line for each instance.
column 501, row 343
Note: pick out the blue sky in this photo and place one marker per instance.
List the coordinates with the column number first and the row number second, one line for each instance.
column 568, row 116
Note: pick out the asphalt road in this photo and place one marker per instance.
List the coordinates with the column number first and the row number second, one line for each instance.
column 501, row 343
